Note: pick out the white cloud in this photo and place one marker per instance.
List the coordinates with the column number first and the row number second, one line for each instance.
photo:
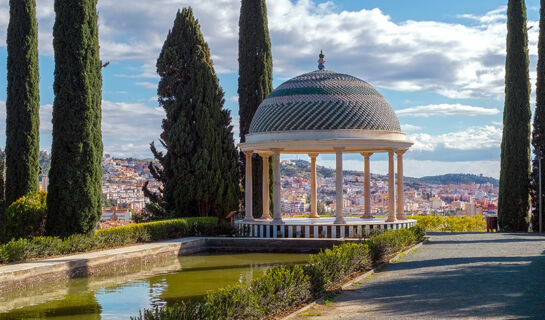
column 233, row 99
column 146, row 84
column 497, row 15
column 474, row 138
column 410, row 127
column 455, row 60
column 127, row 128
column 446, row 110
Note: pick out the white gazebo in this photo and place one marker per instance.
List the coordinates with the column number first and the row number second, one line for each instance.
column 324, row 112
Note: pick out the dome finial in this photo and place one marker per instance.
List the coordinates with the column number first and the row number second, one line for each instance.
column 321, row 61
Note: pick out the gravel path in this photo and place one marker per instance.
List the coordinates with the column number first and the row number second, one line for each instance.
column 461, row 276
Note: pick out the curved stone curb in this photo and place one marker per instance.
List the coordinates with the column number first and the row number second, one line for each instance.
column 28, row 274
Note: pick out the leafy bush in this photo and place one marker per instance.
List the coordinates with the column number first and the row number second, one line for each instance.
column 234, row 302
column 179, row 311
column 26, row 217
column 284, row 287
column 281, row 288
column 335, row 264
column 18, row 250
column 475, row 223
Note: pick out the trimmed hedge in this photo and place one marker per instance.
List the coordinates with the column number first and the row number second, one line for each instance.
column 475, row 223
column 284, row 287
column 18, row 250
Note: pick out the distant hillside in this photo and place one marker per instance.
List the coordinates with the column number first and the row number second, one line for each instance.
column 301, row 168
column 459, row 178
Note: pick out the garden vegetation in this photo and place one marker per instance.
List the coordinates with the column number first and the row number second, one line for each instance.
column 199, row 170
column 74, row 191
column 451, row 224
column 538, row 133
column 282, row 288
column 23, row 101
column 255, row 83
column 513, row 196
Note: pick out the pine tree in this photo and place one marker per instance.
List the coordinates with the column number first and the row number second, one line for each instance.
column 513, row 201
column 74, row 198
column 23, row 101
column 254, row 82
column 199, row 170
column 538, row 134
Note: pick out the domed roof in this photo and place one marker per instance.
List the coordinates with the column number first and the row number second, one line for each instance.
column 324, row 100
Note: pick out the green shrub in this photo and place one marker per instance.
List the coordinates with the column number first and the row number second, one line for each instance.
column 281, row 288
column 25, row 217
column 16, row 250
column 180, row 311
column 233, row 303
column 336, row 263
column 383, row 245
column 452, row 224
column 22, row 249
column 45, row 246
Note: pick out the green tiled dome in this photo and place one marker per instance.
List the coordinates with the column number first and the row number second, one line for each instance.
column 324, row 100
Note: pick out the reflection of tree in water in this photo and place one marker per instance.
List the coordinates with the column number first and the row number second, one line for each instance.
column 77, row 304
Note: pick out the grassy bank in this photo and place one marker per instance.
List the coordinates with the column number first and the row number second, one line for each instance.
column 282, row 288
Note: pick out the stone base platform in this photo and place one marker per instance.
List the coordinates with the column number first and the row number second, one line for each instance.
column 317, row 228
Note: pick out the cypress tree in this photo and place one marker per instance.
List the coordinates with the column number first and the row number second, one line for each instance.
column 199, row 170
column 254, row 82
column 513, row 197
column 2, row 198
column 23, row 101
column 74, row 198
column 538, row 134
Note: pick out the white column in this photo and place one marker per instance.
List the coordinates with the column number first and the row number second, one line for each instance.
column 313, row 187
column 277, row 188
column 248, row 187
column 339, row 213
column 391, row 188
column 265, row 156
column 367, row 185
column 400, row 195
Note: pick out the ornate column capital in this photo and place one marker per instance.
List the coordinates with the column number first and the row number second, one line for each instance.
column 265, row 154
column 366, row 154
column 313, row 155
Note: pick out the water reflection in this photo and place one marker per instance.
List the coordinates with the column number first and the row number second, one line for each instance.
column 144, row 286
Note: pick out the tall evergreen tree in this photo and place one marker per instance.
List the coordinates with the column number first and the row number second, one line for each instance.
column 513, row 201
column 74, row 198
column 199, row 170
column 23, row 101
column 2, row 198
column 254, row 82
column 538, row 134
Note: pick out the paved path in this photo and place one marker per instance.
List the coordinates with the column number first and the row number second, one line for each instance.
column 456, row 276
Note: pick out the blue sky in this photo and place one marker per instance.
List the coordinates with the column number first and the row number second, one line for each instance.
column 440, row 64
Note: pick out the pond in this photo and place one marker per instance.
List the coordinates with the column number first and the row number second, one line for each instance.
column 145, row 286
